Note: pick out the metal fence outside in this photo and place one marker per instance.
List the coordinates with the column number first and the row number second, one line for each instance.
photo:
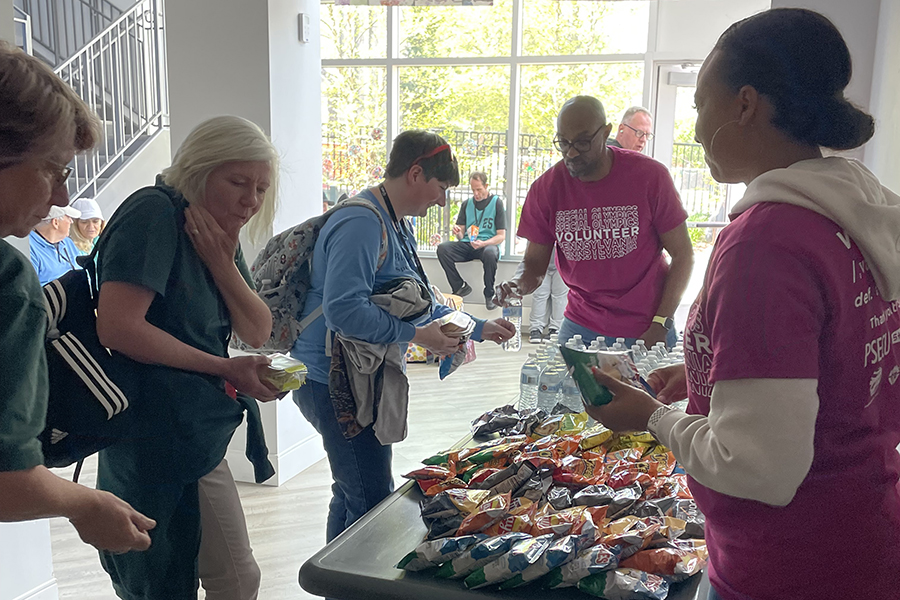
column 351, row 163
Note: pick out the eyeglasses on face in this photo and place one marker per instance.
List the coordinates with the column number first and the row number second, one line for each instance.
column 59, row 172
column 582, row 146
column 638, row 133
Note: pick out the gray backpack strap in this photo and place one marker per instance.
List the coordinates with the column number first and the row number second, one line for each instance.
column 309, row 319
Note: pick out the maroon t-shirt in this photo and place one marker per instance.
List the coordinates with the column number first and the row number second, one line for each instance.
column 788, row 295
column 607, row 233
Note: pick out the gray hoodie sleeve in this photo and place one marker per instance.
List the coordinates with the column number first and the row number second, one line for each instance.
column 756, row 443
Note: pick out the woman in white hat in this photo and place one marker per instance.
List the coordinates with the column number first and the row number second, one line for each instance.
column 89, row 226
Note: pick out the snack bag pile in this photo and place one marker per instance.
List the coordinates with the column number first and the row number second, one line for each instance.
column 558, row 504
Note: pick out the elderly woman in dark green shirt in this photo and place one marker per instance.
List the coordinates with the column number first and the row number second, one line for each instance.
column 42, row 125
column 173, row 287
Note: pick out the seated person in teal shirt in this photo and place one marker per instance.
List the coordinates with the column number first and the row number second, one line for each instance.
column 480, row 228
column 52, row 250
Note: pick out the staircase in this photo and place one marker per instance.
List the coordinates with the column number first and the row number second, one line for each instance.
column 114, row 60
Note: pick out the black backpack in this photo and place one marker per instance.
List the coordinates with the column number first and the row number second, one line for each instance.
column 87, row 409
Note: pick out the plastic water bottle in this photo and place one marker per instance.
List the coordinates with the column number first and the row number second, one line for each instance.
column 619, row 345
column 528, row 383
column 550, row 386
column 601, row 343
column 513, row 313
column 577, row 342
column 571, row 395
column 642, row 345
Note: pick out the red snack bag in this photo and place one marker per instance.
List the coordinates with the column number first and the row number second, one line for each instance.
column 449, row 484
column 489, row 512
column 482, row 474
column 673, row 562
column 439, row 473
column 574, row 470
column 426, row 484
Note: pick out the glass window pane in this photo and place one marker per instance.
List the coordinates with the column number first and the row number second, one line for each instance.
column 469, row 107
column 353, row 128
column 452, row 31
column 353, row 31
column 544, row 90
column 559, row 28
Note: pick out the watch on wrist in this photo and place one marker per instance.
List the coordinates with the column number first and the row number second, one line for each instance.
column 667, row 322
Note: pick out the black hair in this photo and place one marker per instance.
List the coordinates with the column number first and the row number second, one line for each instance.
column 797, row 59
column 411, row 146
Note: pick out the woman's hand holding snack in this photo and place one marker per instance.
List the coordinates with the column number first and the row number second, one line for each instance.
column 630, row 408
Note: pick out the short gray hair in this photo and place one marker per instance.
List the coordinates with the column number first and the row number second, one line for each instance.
column 626, row 118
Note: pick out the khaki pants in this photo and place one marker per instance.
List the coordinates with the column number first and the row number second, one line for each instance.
column 226, row 565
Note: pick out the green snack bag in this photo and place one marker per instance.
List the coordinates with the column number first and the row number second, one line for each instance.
column 616, row 364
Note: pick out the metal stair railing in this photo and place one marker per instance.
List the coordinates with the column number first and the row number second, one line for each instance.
column 60, row 28
column 121, row 76
column 22, row 22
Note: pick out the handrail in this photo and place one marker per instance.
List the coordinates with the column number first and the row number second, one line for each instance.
column 62, row 27
column 119, row 73
column 24, row 19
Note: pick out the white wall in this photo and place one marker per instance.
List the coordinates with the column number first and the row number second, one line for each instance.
column 883, row 152
column 7, row 31
column 26, row 568
column 247, row 60
column 688, row 29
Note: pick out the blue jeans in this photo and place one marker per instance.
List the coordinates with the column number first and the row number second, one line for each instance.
column 569, row 329
column 360, row 466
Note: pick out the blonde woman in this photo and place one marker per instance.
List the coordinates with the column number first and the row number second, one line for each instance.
column 173, row 286
column 87, row 228
column 42, row 125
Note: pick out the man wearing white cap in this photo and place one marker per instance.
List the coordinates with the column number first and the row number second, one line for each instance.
column 52, row 250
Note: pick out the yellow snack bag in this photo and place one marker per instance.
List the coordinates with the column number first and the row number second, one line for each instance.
column 284, row 372
column 595, row 436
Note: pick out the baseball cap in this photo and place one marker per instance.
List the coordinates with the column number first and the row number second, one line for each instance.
column 88, row 207
column 57, row 212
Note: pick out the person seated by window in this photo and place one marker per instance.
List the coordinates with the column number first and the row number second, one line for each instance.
column 635, row 130
column 89, row 226
column 52, row 250
column 480, row 229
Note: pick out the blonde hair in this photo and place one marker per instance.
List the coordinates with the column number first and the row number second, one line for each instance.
column 38, row 109
column 215, row 142
column 81, row 242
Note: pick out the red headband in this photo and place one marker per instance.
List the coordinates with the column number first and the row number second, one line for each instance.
column 434, row 152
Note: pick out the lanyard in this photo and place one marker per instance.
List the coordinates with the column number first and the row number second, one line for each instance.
column 400, row 228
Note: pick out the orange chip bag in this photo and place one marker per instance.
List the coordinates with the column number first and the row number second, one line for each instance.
column 426, row 484
column 668, row 487
column 559, row 523
column 672, row 562
column 520, row 517
column 574, row 470
column 489, row 512
column 467, row 501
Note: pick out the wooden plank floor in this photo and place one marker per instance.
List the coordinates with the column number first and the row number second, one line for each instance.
column 287, row 524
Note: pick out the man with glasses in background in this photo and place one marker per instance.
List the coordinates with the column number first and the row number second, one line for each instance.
column 634, row 130
column 610, row 214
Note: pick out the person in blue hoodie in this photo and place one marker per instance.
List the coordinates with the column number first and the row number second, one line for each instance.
column 344, row 274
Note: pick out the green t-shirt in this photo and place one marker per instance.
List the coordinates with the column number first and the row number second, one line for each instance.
column 24, row 386
column 185, row 418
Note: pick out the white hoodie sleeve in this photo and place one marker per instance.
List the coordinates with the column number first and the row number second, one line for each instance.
column 756, row 443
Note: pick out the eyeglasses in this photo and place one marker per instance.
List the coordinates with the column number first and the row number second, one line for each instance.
column 638, row 133
column 59, row 172
column 582, row 146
